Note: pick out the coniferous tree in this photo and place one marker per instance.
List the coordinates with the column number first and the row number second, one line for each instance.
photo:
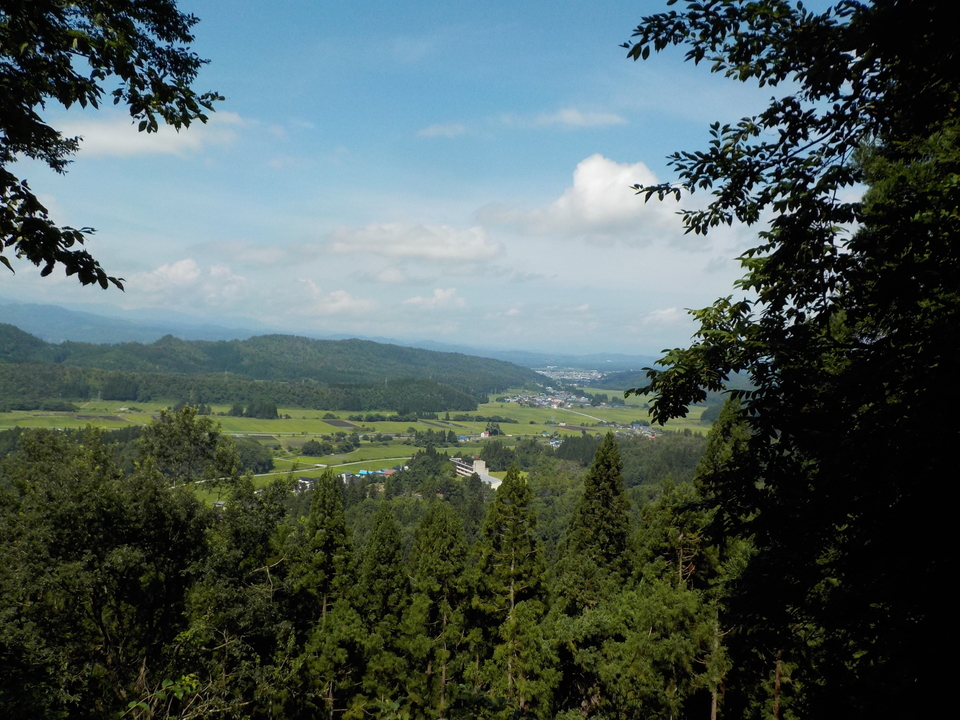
column 436, row 619
column 595, row 551
column 334, row 660
column 383, row 596
column 682, row 570
column 509, row 599
column 326, row 641
column 239, row 636
column 471, row 506
column 319, row 551
column 510, row 564
column 592, row 575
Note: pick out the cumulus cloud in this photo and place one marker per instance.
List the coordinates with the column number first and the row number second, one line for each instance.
column 116, row 136
column 449, row 130
column 571, row 117
column 225, row 288
column 440, row 299
column 431, row 242
column 177, row 274
column 186, row 285
column 334, row 302
column 601, row 206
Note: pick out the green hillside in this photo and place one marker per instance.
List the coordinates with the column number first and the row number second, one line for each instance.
column 273, row 357
column 287, row 370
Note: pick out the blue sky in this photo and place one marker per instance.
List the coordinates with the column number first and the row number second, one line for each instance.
column 452, row 171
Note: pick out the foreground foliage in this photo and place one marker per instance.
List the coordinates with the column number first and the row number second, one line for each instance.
column 850, row 341
column 122, row 595
column 65, row 53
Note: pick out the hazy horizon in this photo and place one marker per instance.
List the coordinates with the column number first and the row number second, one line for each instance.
column 447, row 171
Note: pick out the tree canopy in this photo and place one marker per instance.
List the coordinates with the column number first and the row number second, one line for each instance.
column 847, row 329
column 75, row 53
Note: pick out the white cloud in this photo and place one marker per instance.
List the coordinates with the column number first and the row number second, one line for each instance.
column 432, row 242
column 440, row 299
column 571, row 117
column 666, row 316
column 568, row 117
column 225, row 288
column 185, row 285
column 601, row 206
column 391, row 275
column 178, row 274
column 449, row 130
column 117, row 136
column 334, row 302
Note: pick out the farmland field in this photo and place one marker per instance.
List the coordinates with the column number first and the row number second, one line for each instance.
column 287, row 435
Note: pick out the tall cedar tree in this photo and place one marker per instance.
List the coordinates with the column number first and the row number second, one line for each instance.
column 510, row 566
column 383, row 597
column 719, row 473
column 509, row 599
column 439, row 562
column 595, row 552
column 325, row 642
column 319, row 553
column 594, row 568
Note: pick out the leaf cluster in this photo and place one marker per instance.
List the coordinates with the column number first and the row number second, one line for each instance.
column 78, row 53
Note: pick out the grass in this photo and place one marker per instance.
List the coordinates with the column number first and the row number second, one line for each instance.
column 290, row 434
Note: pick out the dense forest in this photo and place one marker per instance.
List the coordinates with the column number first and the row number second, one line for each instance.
column 284, row 370
column 272, row 357
column 424, row 595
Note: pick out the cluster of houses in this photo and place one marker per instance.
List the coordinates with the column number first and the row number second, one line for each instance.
column 555, row 399
column 576, row 377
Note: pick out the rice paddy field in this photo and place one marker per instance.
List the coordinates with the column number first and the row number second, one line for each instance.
column 287, row 435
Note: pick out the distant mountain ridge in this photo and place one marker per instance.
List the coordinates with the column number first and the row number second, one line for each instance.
column 285, row 358
column 56, row 324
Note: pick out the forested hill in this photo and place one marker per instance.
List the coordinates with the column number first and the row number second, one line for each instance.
column 273, row 357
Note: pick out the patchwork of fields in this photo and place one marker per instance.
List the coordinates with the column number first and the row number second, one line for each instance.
column 287, row 435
